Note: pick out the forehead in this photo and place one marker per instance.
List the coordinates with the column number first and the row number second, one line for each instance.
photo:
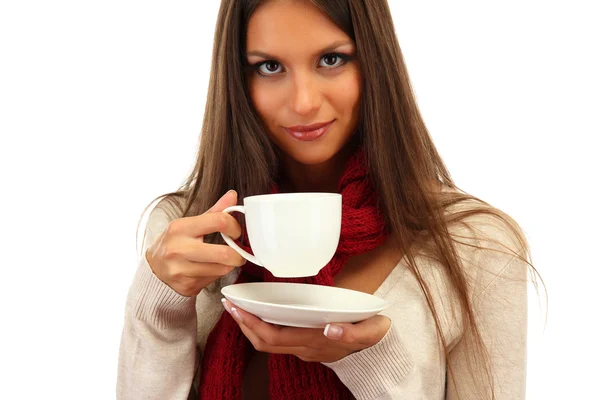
column 289, row 27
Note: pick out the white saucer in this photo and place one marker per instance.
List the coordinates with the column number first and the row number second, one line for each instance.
column 303, row 305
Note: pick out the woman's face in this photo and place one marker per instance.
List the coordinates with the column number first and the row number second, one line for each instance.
column 304, row 73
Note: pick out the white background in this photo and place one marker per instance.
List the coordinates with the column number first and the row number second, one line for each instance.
column 101, row 104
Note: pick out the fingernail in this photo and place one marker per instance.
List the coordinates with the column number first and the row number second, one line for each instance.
column 231, row 191
column 333, row 331
column 224, row 301
column 236, row 314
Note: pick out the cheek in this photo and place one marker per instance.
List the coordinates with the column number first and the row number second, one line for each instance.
column 263, row 100
column 347, row 97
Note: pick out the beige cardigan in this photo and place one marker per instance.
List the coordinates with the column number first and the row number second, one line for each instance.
column 164, row 333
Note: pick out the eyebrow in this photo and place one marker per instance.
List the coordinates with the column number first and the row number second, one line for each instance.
column 331, row 47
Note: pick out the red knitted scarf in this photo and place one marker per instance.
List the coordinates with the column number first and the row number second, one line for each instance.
column 228, row 351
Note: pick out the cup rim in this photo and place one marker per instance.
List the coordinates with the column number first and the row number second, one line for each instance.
column 293, row 196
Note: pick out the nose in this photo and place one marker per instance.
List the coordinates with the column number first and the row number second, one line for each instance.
column 306, row 96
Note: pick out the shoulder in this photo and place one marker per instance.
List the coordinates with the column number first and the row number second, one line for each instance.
column 488, row 242
column 488, row 228
column 481, row 224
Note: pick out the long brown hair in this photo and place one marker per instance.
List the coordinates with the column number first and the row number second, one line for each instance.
column 235, row 151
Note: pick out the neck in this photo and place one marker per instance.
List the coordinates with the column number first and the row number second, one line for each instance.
column 323, row 177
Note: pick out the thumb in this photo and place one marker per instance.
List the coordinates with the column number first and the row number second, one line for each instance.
column 227, row 200
column 368, row 332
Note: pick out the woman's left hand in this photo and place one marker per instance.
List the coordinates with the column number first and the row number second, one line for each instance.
column 333, row 343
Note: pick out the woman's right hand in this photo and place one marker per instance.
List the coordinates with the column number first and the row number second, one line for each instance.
column 180, row 258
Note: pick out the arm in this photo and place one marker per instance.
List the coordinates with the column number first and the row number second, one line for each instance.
column 384, row 371
column 500, row 307
column 157, row 355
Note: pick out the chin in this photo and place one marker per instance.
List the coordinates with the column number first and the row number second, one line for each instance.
column 311, row 155
column 312, row 159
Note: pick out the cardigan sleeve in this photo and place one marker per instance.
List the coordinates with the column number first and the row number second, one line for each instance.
column 500, row 307
column 383, row 371
column 157, row 353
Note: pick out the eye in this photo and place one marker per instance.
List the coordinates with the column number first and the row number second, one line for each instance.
column 271, row 67
column 333, row 59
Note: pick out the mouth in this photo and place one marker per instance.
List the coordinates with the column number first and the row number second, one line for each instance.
column 309, row 132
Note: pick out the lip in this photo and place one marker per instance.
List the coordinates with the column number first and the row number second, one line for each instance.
column 306, row 128
column 309, row 132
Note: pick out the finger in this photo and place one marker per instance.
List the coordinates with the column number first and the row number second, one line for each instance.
column 227, row 200
column 205, row 224
column 281, row 336
column 194, row 250
column 203, row 270
column 368, row 332
column 260, row 344
column 242, row 317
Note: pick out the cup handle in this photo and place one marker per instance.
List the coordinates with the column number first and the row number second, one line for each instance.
column 232, row 244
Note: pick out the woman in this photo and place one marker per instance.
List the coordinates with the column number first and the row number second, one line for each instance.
column 314, row 96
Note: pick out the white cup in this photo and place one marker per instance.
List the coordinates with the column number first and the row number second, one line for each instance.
column 291, row 234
